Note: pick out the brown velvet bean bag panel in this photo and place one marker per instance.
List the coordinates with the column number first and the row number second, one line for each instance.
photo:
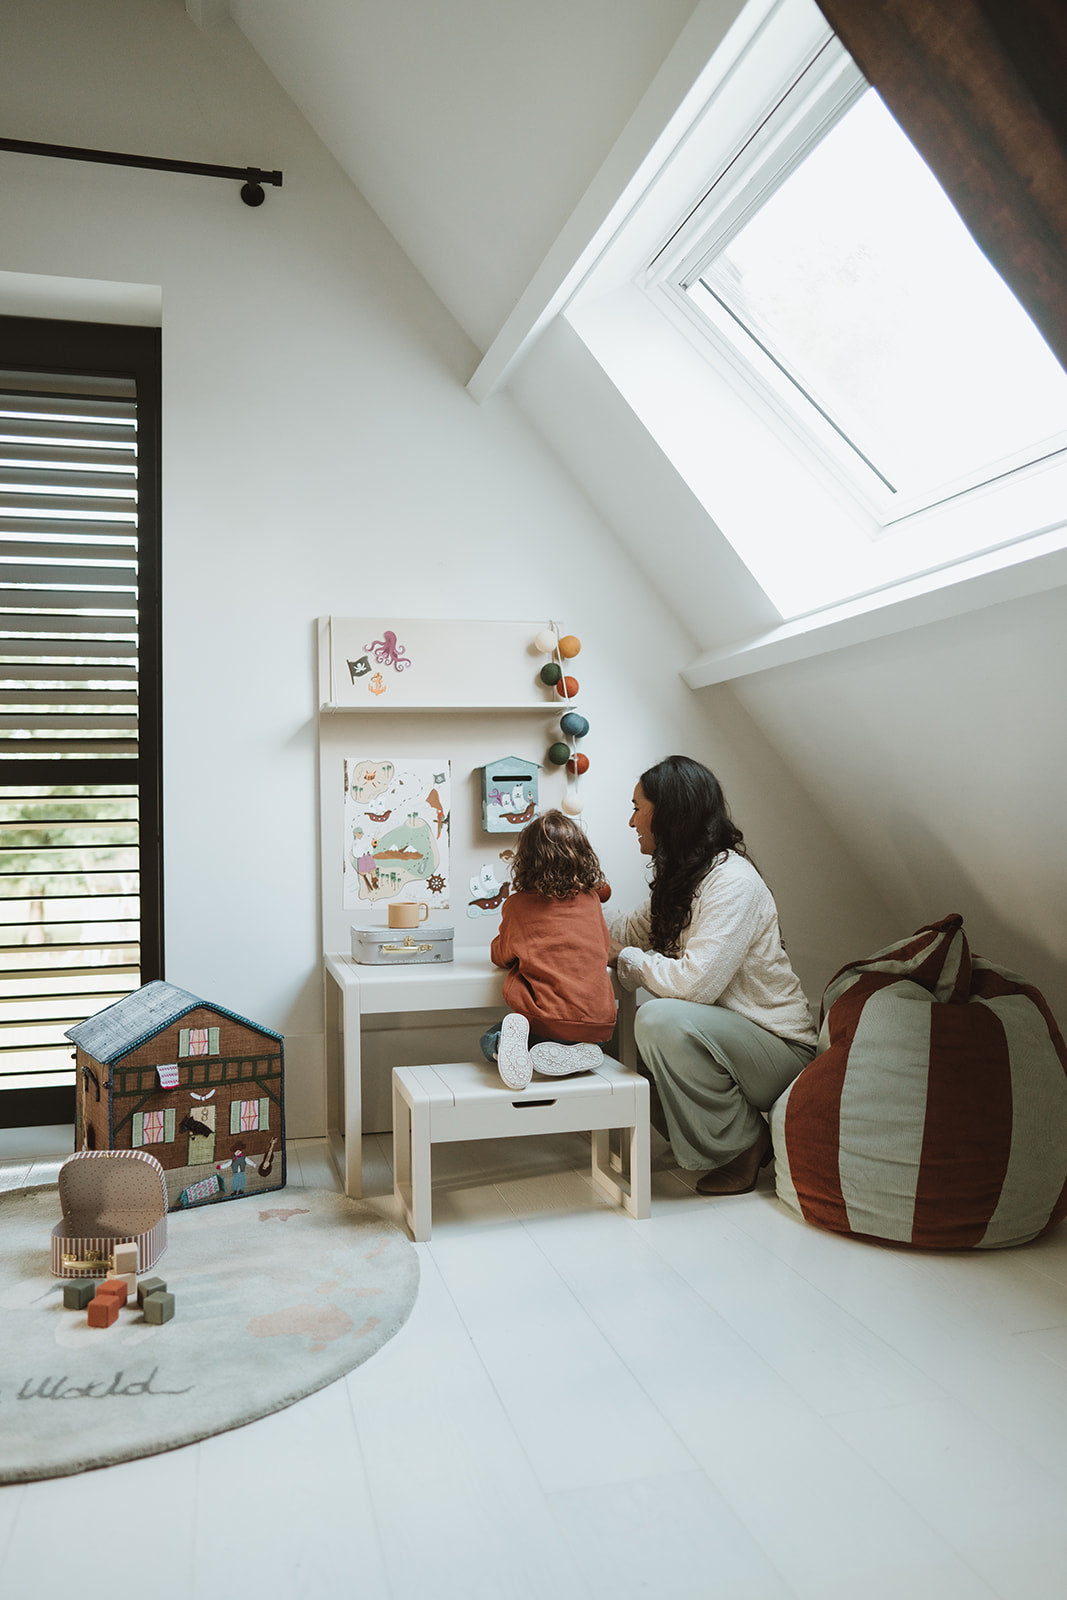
column 935, row 1113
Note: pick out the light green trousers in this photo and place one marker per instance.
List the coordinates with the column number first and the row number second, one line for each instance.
column 712, row 1073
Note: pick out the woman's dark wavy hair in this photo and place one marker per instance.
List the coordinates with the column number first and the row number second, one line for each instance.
column 692, row 829
column 554, row 858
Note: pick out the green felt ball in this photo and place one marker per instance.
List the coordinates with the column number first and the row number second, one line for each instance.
column 551, row 673
column 559, row 754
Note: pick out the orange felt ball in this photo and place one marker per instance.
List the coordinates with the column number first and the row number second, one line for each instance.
column 578, row 764
column 567, row 688
column 569, row 645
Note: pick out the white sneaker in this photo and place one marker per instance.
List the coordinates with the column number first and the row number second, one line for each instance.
column 560, row 1060
column 512, row 1057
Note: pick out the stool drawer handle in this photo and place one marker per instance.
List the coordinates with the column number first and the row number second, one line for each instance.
column 522, row 1105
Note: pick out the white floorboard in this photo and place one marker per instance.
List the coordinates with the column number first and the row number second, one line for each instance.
column 720, row 1403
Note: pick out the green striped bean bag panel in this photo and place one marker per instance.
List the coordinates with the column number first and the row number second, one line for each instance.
column 935, row 1113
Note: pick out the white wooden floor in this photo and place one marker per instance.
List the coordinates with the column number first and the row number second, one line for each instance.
column 720, row 1402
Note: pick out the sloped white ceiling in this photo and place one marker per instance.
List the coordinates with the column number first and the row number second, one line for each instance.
column 471, row 126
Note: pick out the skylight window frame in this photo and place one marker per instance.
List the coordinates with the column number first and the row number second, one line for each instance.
column 826, row 85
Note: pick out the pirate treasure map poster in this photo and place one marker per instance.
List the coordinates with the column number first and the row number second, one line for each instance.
column 397, row 816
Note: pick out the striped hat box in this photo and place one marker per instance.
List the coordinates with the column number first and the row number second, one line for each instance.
column 109, row 1197
column 935, row 1113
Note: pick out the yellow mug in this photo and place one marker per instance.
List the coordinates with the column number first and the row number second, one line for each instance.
column 408, row 913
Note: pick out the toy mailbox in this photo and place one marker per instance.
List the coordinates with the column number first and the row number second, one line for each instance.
column 509, row 794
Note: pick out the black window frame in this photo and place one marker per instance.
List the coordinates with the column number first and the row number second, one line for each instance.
column 36, row 344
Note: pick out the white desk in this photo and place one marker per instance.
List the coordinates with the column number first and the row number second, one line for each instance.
column 469, row 983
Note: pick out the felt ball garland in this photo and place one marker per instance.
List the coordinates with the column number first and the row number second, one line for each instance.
column 563, row 647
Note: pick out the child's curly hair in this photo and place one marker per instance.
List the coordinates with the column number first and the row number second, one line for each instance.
column 554, row 858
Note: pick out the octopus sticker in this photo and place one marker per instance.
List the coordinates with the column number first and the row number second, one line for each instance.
column 387, row 653
column 397, row 816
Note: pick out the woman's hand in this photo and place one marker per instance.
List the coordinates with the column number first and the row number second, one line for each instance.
column 613, row 952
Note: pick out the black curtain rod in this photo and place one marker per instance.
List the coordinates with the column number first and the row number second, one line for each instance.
column 253, row 178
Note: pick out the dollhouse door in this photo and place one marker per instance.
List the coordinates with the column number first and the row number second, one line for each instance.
column 202, row 1145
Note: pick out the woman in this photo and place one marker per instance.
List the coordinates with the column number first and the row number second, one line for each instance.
column 729, row 1028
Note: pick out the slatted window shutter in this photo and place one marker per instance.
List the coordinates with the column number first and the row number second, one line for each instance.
column 74, row 626
column 68, row 566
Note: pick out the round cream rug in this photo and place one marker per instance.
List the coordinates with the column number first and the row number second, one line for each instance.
column 274, row 1298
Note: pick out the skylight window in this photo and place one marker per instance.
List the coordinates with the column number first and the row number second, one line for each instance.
column 859, row 300
column 794, row 312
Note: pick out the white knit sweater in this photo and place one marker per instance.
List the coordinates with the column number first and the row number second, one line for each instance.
column 731, row 954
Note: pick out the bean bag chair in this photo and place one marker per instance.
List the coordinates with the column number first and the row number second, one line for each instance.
column 935, row 1113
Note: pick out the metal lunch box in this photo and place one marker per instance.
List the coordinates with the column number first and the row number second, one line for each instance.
column 375, row 946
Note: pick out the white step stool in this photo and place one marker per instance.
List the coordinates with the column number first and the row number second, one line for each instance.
column 467, row 1100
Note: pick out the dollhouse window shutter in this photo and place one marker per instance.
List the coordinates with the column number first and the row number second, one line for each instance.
column 264, row 1113
column 235, row 1116
column 140, row 1118
column 192, row 1042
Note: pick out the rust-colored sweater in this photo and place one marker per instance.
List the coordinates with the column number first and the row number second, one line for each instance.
column 558, row 954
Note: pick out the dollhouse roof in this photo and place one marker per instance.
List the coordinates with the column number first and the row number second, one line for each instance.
column 132, row 1021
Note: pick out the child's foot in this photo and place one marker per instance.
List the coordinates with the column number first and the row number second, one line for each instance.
column 512, row 1057
column 560, row 1060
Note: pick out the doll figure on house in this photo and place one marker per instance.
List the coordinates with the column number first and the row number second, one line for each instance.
column 238, row 1163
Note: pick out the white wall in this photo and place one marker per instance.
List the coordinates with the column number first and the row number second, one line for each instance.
column 471, row 126
column 322, row 456
column 940, row 756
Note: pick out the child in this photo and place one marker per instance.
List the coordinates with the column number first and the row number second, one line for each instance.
column 554, row 939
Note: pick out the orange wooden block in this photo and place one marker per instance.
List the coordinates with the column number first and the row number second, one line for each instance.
column 113, row 1289
column 103, row 1310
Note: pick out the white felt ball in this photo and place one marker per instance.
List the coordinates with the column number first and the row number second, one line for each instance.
column 571, row 805
column 546, row 641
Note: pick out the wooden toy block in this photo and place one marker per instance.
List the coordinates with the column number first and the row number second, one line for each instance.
column 149, row 1286
column 159, row 1307
column 124, row 1261
column 103, row 1310
column 128, row 1278
column 76, row 1295
column 116, row 1289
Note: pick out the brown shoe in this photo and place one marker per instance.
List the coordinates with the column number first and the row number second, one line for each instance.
column 739, row 1175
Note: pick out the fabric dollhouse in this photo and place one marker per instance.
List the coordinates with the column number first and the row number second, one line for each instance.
column 192, row 1084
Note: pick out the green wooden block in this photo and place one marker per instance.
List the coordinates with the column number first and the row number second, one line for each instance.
column 149, row 1286
column 76, row 1295
column 158, row 1307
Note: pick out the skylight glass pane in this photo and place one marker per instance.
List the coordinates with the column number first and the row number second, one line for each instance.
column 860, row 280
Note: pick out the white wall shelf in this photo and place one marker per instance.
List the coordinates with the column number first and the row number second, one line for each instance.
column 546, row 707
